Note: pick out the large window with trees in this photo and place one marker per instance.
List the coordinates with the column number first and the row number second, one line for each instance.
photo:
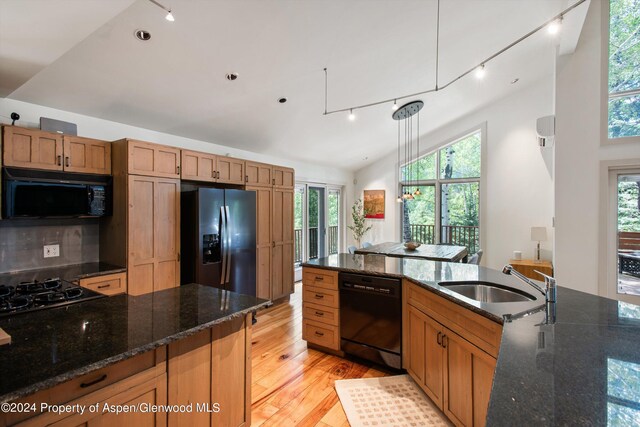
column 624, row 69
column 445, row 184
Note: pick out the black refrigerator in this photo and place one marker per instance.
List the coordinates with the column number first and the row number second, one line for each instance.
column 218, row 238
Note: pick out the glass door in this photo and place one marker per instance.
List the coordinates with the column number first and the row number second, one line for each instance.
column 333, row 219
column 317, row 227
column 299, row 219
column 628, row 234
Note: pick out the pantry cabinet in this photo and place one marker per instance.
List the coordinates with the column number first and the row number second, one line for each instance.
column 258, row 174
column 149, row 159
column 282, row 275
column 143, row 233
column 451, row 354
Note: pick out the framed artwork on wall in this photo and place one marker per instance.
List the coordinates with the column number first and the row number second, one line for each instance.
column 374, row 204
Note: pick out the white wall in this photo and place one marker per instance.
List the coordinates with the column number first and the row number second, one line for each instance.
column 519, row 185
column 578, row 153
column 92, row 127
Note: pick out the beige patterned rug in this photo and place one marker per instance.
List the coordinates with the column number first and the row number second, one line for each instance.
column 387, row 401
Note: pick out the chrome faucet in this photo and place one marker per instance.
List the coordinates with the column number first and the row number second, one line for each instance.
column 550, row 283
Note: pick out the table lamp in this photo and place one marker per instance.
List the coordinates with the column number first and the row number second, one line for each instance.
column 538, row 234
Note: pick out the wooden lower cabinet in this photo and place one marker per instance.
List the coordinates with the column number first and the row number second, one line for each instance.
column 108, row 284
column 212, row 369
column 456, row 374
column 321, row 308
column 209, row 372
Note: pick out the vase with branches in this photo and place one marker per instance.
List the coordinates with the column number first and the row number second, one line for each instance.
column 359, row 227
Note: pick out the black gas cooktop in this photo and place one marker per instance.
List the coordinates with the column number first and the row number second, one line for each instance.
column 25, row 297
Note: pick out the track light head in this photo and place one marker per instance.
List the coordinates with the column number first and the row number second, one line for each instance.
column 395, row 105
column 169, row 17
column 554, row 27
column 480, row 72
column 352, row 116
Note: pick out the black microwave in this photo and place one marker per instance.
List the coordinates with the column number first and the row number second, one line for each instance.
column 29, row 193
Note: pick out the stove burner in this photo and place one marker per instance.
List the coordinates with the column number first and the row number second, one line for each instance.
column 15, row 303
column 36, row 287
column 73, row 293
column 6, row 291
column 49, row 297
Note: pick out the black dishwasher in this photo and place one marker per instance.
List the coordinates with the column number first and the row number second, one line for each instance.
column 371, row 318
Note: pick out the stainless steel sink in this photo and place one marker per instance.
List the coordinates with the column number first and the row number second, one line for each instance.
column 487, row 292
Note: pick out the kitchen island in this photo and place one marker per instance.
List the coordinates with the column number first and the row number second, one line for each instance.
column 190, row 344
column 578, row 370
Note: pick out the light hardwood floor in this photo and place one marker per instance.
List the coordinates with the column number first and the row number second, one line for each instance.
column 293, row 385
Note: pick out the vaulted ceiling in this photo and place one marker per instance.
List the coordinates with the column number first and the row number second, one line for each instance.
column 82, row 56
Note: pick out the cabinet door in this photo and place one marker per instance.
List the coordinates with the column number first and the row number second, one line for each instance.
column 198, row 166
column 30, row 148
column 189, row 367
column 282, row 246
column 458, row 382
column 154, row 234
column 263, row 240
column 86, row 155
column 230, row 170
column 150, row 159
column 283, row 177
column 425, row 358
column 258, row 174
column 166, row 229
column 231, row 372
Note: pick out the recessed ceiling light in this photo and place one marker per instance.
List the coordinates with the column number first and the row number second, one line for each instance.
column 143, row 35
column 282, row 100
column 232, row 76
column 514, row 81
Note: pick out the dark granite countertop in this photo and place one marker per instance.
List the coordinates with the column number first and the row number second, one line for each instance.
column 66, row 272
column 428, row 274
column 582, row 370
column 425, row 251
column 52, row 346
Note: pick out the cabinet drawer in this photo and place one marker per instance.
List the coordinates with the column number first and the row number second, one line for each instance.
column 320, row 296
column 320, row 278
column 321, row 334
column 320, row 313
column 110, row 284
column 477, row 329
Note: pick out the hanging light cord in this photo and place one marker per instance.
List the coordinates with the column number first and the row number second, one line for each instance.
column 437, row 45
column 436, row 89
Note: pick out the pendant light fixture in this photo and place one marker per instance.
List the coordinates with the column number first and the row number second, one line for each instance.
column 169, row 17
column 405, row 114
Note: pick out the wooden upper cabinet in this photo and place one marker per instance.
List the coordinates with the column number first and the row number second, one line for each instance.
column 283, row 177
column 198, row 166
column 148, row 159
column 86, row 155
column 31, row 148
column 258, row 174
column 230, row 170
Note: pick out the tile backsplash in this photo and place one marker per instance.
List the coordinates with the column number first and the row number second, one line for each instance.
column 22, row 241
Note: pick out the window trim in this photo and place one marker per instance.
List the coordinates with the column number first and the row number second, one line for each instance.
column 604, row 86
column 482, row 180
column 608, row 228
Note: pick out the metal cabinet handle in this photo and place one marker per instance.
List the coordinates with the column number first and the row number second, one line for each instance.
column 438, row 338
column 104, row 286
column 59, row 158
column 94, row 382
column 319, row 313
column 273, row 181
column 213, row 174
column 177, row 170
column 246, row 178
column 320, row 334
column 445, row 343
column 66, row 161
column 319, row 278
column 319, row 296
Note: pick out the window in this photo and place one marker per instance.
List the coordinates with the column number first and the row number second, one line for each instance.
column 446, row 209
column 624, row 68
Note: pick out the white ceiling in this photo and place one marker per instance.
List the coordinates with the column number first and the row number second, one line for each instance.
column 90, row 63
